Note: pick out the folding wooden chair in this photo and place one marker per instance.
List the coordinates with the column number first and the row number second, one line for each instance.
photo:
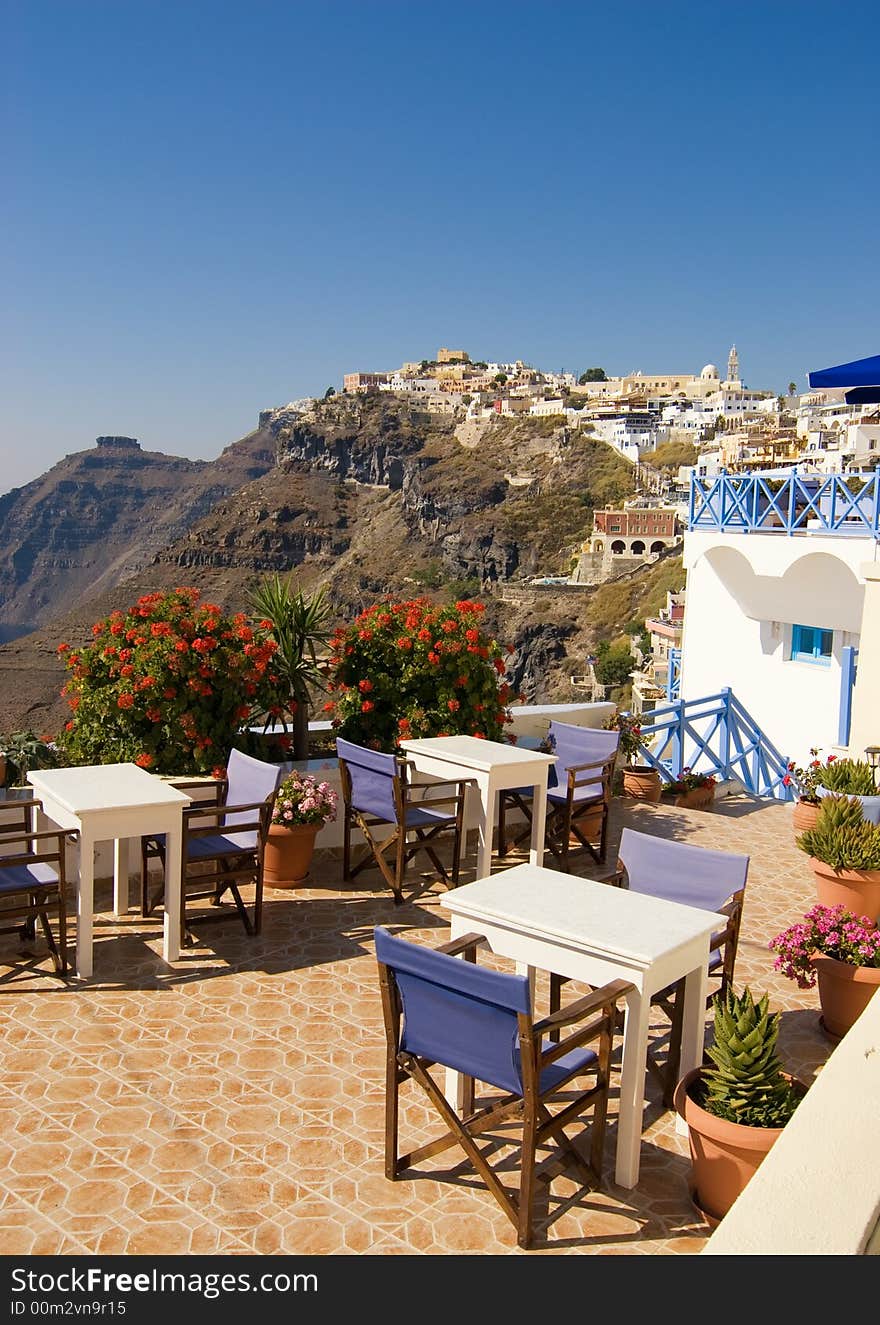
column 442, row 1011
column 215, row 859
column 33, row 883
column 693, row 876
column 578, row 794
column 377, row 794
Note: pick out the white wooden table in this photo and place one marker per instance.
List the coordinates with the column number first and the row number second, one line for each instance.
column 593, row 932
column 495, row 766
column 115, row 802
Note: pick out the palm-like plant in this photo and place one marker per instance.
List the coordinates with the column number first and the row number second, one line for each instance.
column 299, row 624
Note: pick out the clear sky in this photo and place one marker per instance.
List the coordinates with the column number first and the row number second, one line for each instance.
column 210, row 208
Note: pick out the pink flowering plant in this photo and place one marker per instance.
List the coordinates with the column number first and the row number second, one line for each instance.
column 829, row 931
column 417, row 668
column 170, row 684
column 302, row 799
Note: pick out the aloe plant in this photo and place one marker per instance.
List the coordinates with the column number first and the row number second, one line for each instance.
column 842, row 837
column 747, row 1083
column 848, row 777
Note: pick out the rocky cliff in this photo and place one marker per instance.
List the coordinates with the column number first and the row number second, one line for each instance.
column 368, row 495
column 99, row 515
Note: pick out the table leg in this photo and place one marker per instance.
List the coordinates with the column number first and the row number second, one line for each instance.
column 85, row 906
column 693, row 1026
column 173, row 870
column 539, row 823
column 486, row 826
column 632, row 1088
column 120, row 876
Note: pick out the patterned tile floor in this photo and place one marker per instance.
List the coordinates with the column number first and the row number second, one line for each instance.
column 233, row 1105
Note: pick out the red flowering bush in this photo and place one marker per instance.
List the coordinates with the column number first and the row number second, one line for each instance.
column 417, row 668
column 168, row 684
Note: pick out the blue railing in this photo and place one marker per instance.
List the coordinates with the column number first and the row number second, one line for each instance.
column 673, row 676
column 743, row 503
column 714, row 735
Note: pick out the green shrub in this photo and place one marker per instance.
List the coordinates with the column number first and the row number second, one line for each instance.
column 417, row 668
column 171, row 684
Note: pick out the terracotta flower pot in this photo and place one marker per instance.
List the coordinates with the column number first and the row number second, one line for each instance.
column 844, row 992
column 724, row 1155
column 697, row 798
column 857, row 890
column 288, row 856
column 805, row 815
column 641, row 782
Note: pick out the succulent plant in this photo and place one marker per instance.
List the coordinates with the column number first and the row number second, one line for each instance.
column 842, row 837
column 747, row 1083
column 848, row 777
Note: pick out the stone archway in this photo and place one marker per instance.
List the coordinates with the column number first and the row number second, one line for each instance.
column 618, row 547
column 637, row 549
column 658, row 546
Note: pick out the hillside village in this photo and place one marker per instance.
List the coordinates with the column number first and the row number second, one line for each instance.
column 732, row 427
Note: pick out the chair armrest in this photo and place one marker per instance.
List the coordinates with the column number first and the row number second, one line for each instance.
column 582, row 1007
column 8, row 839
column 467, row 941
column 597, row 769
column 207, row 811
column 615, row 878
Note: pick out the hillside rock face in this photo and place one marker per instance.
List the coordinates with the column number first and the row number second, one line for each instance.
column 98, row 516
column 363, row 495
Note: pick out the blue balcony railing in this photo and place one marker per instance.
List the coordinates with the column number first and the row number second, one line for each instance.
column 744, row 503
column 714, row 735
column 673, row 676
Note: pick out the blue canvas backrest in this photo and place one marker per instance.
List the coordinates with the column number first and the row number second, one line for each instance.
column 574, row 745
column 249, row 781
column 372, row 775
column 455, row 1013
column 680, row 871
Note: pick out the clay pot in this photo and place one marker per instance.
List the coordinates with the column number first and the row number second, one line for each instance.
column 724, row 1155
column 698, row 798
column 857, row 890
column 641, row 782
column 288, row 855
column 805, row 815
column 844, row 992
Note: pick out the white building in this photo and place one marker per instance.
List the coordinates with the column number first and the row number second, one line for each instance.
column 776, row 613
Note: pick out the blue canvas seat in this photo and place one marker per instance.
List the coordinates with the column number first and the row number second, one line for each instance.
column 442, row 1010
column 33, row 883
column 578, row 794
column 691, row 875
column 377, row 794
column 215, row 860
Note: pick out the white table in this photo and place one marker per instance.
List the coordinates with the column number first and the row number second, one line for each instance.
column 495, row 766
column 595, row 932
column 113, row 802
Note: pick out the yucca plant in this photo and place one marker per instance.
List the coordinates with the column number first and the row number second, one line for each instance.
column 842, row 837
column 747, row 1083
column 299, row 626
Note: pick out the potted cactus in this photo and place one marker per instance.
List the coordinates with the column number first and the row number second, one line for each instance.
column 736, row 1108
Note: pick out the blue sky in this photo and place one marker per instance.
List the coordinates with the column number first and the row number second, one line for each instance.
column 211, row 208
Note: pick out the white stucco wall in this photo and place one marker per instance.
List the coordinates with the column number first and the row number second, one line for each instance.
column 744, row 592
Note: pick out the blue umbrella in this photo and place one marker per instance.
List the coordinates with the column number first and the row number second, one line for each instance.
column 862, row 376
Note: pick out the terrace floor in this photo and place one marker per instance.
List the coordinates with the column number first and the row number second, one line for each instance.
column 233, row 1105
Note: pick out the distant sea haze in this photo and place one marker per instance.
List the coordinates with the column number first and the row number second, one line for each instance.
column 13, row 630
